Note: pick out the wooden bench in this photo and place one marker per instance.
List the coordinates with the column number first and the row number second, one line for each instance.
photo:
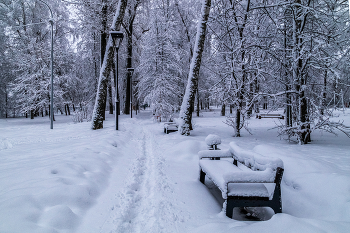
column 245, row 178
column 170, row 127
column 259, row 116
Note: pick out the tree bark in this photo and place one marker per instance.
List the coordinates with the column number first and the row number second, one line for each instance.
column 223, row 109
column 191, row 88
column 97, row 116
column 324, row 94
column 110, row 99
column 128, row 65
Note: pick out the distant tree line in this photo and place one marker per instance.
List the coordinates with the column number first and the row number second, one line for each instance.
column 240, row 54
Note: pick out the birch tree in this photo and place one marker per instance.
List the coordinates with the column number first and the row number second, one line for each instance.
column 191, row 88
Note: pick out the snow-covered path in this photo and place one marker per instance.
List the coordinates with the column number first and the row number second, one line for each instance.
column 145, row 203
column 144, row 200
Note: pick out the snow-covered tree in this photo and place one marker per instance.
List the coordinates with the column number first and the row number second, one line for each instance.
column 192, row 84
column 160, row 69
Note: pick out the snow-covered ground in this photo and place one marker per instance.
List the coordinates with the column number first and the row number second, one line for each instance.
column 138, row 179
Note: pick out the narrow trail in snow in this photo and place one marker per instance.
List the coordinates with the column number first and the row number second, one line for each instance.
column 145, row 204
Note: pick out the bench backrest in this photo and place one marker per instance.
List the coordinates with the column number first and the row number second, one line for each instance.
column 254, row 160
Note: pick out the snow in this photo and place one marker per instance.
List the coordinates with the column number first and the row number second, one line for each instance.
column 214, row 154
column 217, row 171
column 266, row 176
column 213, row 139
column 138, row 179
column 254, row 160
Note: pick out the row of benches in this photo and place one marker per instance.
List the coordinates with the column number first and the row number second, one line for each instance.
column 245, row 178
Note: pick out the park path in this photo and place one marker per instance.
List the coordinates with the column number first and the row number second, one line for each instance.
column 145, row 206
column 141, row 196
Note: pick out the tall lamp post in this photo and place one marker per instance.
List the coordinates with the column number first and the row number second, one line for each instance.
column 131, row 70
column 117, row 37
column 51, row 81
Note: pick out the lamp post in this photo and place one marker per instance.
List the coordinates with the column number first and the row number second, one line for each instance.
column 51, row 81
column 131, row 70
column 117, row 37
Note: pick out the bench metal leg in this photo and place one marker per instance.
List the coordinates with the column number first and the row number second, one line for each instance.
column 229, row 208
column 276, row 206
column 202, row 177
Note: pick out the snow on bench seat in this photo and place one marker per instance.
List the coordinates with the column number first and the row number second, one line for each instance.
column 254, row 160
column 228, row 178
column 217, row 170
column 170, row 127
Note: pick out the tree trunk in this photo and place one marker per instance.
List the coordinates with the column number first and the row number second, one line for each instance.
column 324, row 94
column 110, row 99
column 191, row 88
column 241, row 92
column 198, row 103
column 116, row 91
column 129, row 31
column 103, row 49
column 223, row 110
column 128, row 74
column 97, row 116
column 298, row 74
column 238, row 122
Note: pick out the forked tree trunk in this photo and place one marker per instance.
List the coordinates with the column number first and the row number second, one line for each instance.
column 191, row 88
column 97, row 115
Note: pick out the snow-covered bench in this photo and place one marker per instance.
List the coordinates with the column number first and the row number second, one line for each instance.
column 170, row 127
column 270, row 115
column 245, row 178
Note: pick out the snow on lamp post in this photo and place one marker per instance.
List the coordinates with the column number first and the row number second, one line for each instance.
column 117, row 37
column 131, row 70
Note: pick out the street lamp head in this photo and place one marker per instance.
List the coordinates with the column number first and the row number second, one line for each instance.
column 131, row 70
column 117, row 37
